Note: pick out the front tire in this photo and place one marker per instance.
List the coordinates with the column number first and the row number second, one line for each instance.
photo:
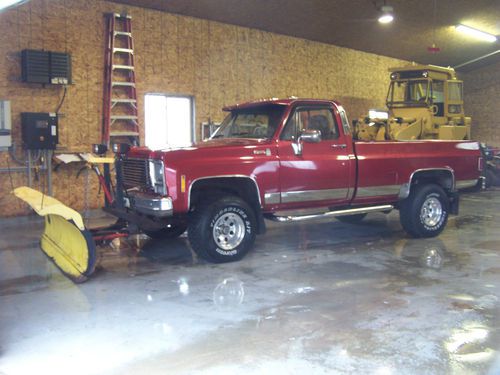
column 425, row 212
column 222, row 231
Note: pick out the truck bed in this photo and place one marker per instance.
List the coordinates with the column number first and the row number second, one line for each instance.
column 384, row 166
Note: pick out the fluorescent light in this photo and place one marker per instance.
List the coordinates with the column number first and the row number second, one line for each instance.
column 487, row 37
column 8, row 3
column 386, row 16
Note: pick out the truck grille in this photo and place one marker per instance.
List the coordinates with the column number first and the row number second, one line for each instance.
column 136, row 173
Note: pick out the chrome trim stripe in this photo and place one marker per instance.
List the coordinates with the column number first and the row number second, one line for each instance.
column 351, row 211
column 463, row 184
column 370, row 191
column 272, row 198
column 223, row 176
column 313, row 195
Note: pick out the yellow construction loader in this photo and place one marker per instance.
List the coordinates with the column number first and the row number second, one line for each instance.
column 423, row 102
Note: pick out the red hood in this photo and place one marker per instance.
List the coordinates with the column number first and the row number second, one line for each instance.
column 196, row 149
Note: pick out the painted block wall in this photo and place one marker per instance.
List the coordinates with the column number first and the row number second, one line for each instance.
column 482, row 103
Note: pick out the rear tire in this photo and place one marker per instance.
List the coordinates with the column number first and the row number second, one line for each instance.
column 351, row 219
column 488, row 175
column 425, row 212
column 222, row 231
column 492, row 176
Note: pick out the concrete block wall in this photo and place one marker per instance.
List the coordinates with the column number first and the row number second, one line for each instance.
column 218, row 64
column 482, row 103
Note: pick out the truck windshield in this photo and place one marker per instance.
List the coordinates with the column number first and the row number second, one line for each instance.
column 260, row 122
column 408, row 92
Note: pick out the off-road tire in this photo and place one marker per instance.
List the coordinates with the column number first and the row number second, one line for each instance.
column 492, row 177
column 222, row 231
column 425, row 212
column 351, row 219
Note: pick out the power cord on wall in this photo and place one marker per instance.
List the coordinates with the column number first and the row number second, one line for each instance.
column 62, row 99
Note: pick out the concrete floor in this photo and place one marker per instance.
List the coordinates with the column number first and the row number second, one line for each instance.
column 316, row 298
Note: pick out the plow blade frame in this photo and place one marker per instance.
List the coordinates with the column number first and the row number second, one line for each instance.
column 65, row 239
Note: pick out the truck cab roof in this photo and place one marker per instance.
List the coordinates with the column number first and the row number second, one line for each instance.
column 277, row 101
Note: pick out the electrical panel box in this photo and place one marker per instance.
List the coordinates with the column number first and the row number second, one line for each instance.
column 39, row 130
column 5, row 124
column 46, row 67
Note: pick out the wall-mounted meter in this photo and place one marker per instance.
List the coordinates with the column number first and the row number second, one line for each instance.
column 5, row 124
column 39, row 130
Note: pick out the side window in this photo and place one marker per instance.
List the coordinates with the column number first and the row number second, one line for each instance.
column 438, row 97
column 321, row 119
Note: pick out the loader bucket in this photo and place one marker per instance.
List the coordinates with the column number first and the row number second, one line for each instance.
column 65, row 239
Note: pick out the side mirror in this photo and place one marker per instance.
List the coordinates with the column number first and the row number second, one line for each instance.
column 307, row 135
column 310, row 136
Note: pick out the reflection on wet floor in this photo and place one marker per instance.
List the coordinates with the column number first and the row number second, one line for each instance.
column 317, row 298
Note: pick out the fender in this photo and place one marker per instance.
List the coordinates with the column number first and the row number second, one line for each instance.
column 404, row 190
column 257, row 207
column 224, row 176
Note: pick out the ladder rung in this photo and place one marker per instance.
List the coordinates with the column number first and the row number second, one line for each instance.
column 123, row 33
column 124, row 117
column 123, row 50
column 129, row 101
column 124, row 134
column 118, row 15
column 125, row 84
column 123, row 67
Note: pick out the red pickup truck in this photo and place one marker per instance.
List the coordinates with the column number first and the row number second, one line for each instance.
column 271, row 159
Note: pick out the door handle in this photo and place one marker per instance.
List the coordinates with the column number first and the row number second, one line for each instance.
column 341, row 146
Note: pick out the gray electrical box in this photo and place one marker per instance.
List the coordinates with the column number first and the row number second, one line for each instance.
column 5, row 124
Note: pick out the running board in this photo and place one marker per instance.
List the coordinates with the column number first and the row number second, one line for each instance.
column 350, row 211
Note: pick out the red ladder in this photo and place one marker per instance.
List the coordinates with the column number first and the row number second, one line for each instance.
column 120, row 119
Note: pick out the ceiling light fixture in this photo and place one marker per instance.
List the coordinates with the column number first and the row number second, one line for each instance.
column 4, row 4
column 387, row 15
column 487, row 37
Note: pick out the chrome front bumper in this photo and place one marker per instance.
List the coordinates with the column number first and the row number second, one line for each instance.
column 155, row 206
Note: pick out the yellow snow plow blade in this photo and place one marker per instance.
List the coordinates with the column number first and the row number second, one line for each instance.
column 65, row 239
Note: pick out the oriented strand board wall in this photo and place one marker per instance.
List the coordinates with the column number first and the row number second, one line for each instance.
column 482, row 103
column 216, row 63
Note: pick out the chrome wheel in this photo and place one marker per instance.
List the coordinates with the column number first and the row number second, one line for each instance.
column 229, row 231
column 431, row 212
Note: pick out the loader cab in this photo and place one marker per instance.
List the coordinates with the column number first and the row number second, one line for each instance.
column 433, row 87
column 408, row 93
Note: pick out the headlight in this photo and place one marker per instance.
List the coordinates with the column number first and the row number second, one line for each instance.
column 157, row 177
column 120, row 148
